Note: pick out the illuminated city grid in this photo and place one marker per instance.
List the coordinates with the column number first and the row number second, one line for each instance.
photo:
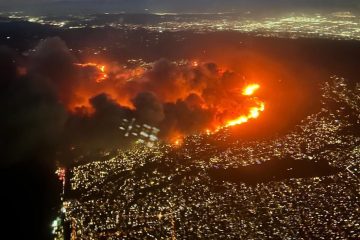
column 337, row 25
column 165, row 192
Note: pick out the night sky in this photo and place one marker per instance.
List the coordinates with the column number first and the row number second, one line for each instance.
column 192, row 6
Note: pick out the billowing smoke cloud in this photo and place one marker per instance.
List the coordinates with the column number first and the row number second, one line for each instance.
column 100, row 129
column 52, row 60
column 185, row 117
column 83, row 104
column 32, row 117
column 148, row 108
column 31, row 128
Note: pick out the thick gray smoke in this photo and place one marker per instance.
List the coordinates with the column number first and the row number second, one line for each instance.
column 32, row 117
column 36, row 102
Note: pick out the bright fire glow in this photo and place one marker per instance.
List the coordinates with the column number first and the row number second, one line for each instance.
column 101, row 68
column 254, row 112
column 124, row 83
column 102, row 78
column 250, row 89
column 177, row 142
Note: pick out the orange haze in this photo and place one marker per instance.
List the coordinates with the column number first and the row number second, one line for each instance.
column 204, row 87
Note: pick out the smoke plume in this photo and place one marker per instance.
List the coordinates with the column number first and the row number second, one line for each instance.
column 60, row 99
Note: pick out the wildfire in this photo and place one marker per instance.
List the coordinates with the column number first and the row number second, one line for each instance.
column 177, row 142
column 250, row 89
column 197, row 94
column 253, row 113
column 101, row 68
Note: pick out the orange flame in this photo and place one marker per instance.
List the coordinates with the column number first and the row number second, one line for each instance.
column 254, row 112
column 100, row 81
column 101, row 68
column 250, row 89
column 122, row 85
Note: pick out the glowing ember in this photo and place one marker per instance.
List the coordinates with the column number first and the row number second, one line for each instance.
column 250, row 89
column 177, row 142
column 195, row 63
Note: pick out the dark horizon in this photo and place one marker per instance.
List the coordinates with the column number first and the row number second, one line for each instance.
column 186, row 6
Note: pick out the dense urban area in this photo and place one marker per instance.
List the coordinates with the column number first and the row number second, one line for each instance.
column 335, row 25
